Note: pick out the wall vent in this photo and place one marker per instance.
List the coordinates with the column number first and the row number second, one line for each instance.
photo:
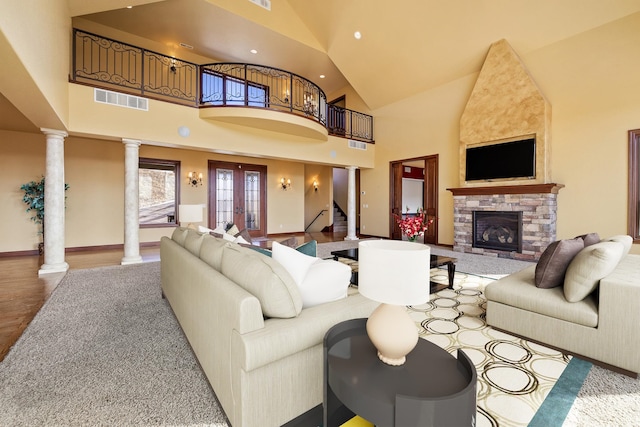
column 120, row 99
column 358, row 145
column 262, row 3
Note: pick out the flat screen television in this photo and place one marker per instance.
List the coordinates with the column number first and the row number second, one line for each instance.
column 515, row 159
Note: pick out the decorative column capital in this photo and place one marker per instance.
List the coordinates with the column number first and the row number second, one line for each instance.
column 351, row 168
column 54, row 132
column 135, row 142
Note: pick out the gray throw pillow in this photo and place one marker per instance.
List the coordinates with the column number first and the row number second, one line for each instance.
column 554, row 261
column 589, row 238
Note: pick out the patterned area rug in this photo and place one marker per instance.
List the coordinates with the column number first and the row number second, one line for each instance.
column 514, row 375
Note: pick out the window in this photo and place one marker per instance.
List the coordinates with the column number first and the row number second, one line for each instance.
column 634, row 184
column 220, row 89
column 158, row 192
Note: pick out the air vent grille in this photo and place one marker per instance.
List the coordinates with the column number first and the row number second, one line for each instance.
column 262, row 3
column 358, row 145
column 121, row 99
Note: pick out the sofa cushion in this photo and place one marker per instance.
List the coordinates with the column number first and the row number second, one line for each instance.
column 179, row 235
column 296, row 263
column 587, row 268
column 193, row 241
column 519, row 290
column 211, row 251
column 326, row 280
column 626, row 241
column 553, row 263
column 589, row 238
column 264, row 278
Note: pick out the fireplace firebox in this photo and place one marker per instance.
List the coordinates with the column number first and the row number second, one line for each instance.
column 498, row 230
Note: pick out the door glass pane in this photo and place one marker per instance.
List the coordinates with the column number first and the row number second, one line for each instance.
column 224, row 197
column 252, row 200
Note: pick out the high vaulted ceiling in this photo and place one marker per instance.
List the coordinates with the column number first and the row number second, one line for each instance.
column 407, row 46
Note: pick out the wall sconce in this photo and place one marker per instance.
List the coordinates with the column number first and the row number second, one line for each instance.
column 285, row 183
column 194, row 179
column 315, row 185
column 173, row 65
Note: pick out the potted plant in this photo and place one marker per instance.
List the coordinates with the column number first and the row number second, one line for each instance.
column 34, row 199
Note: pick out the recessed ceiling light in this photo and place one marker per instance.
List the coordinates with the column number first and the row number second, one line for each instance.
column 322, row 76
column 357, row 35
column 253, row 51
column 129, row 7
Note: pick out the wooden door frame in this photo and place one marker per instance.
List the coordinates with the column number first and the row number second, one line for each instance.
column 211, row 196
column 395, row 193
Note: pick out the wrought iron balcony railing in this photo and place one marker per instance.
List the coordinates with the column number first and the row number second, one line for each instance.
column 107, row 63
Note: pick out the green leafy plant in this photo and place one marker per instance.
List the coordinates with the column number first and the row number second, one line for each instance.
column 34, row 199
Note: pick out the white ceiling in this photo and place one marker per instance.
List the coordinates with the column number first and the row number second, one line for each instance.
column 407, row 46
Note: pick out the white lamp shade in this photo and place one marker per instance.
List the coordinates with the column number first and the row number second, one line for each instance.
column 394, row 272
column 190, row 213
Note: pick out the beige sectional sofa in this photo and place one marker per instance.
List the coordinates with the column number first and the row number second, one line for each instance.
column 242, row 314
column 602, row 326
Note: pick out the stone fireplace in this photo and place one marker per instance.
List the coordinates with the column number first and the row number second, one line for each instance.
column 506, row 105
column 500, row 230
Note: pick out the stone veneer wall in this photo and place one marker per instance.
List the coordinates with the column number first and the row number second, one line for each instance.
column 538, row 221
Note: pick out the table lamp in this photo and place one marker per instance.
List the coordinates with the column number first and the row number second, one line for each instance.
column 190, row 214
column 396, row 274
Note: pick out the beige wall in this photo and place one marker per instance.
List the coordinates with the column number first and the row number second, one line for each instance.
column 316, row 201
column 38, row 83
column 94, row 170
column 591, row 82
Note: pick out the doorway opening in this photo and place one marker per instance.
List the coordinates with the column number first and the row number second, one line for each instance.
column 414, row 184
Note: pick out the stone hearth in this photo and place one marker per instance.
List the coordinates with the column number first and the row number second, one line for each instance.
column 538, row 204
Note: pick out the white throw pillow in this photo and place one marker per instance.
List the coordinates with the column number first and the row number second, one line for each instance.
column 626, row 241
column 228, row 237
column 587, row 268
column 326, row 281
column 202, row 229
column 296, row 263
column 242, row 240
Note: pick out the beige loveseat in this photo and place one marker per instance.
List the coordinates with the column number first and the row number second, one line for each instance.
column 602, row 326
column 243, row 316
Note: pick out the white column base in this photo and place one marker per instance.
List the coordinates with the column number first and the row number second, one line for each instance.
column 62, row 267
column 351, row 238
column 131, row 260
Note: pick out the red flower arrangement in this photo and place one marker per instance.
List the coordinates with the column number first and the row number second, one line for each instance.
column 413, row 226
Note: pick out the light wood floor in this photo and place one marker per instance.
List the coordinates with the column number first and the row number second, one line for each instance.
column 22, row 292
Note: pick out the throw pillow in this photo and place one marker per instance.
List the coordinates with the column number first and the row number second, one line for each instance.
column 626, row 241
column 244, row 233
column 203, row 229
column 587, row 268
column 553, row 263
column 326, row 281
column 228, row 237
column 296, row 263
column 309, row 248
column 233, row 230
column 239, row 239
column 589, row 239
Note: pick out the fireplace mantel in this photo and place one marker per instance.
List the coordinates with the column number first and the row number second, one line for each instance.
column 551, row 188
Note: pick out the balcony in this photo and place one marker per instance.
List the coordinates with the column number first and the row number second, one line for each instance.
column 247, row 94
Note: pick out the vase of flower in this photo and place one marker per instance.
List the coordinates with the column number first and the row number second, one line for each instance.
column 413, row 226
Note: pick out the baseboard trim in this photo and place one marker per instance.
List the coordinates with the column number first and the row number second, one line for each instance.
column 118, row 246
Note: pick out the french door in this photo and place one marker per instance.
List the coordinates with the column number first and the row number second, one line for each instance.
column 237, row 195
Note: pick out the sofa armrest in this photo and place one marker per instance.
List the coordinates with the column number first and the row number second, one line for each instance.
column 282, row 337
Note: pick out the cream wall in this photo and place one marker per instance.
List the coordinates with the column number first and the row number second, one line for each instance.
column 591, row 81
column 38, row 81
column 316, row 201
column 94, row 170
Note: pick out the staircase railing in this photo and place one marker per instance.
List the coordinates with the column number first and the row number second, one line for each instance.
column 314, row 219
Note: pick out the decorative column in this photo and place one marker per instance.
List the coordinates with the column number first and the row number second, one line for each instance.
column 351, row 204
column 53, row 226
column 131, row 203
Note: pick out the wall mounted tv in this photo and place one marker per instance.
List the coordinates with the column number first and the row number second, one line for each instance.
column 515, row 159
